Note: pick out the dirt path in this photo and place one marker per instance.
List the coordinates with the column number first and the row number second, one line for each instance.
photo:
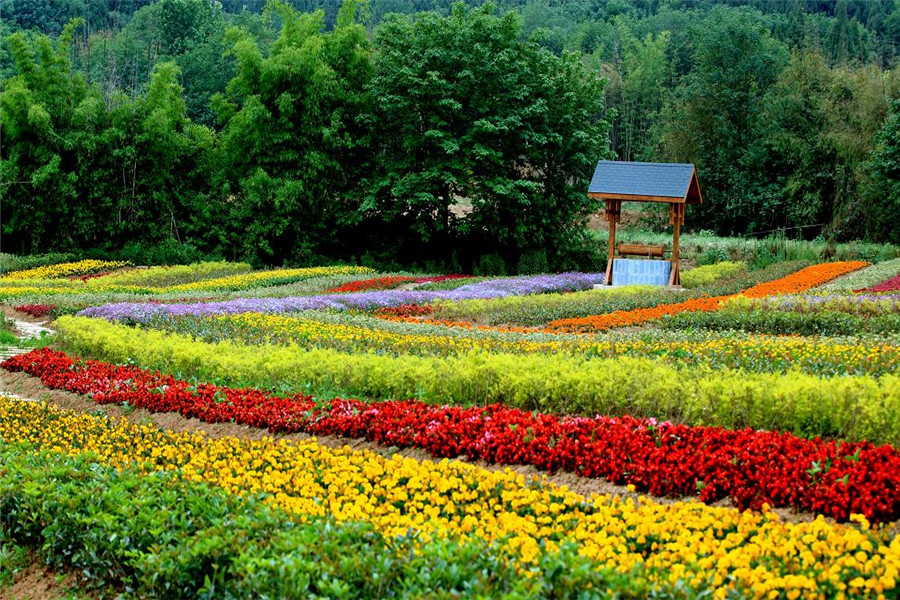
column 28, row 329
column 24, row 330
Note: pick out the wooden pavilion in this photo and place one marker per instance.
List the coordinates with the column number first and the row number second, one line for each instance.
column 673, row 183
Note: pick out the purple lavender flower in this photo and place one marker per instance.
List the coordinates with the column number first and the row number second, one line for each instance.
column 495, row 288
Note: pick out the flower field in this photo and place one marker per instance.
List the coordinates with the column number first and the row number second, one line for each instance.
column 744, row 431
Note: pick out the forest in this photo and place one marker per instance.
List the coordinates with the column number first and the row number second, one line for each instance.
column 440, row 135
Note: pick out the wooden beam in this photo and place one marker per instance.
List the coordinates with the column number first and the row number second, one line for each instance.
column 613, row 210
column 677, row 215
column 635, row 198
column 642, row 250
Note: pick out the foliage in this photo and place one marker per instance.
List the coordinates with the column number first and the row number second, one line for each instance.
column 504, row 127
column 81, row 172
column 12, row 262
column 182, row 130
column 290, row 147
column 885, row 170
column 162, row 535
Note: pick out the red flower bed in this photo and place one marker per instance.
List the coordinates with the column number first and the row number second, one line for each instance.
column 751, row 467
column 376, row 283
column 383, row 283
column 891, row 285
column 35, row 310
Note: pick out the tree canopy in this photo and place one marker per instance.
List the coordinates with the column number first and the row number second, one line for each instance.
column 451, row 136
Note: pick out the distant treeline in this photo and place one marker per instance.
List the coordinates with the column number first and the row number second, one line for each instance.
column 460, row 138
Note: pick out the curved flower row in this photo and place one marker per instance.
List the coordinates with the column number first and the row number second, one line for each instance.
column 376, row 283
column 792, row 284
column 82, row 267
column 857, row 304
column 85, row 278
column 758, row 353
column 701, row 546
column 752, row 468
column 112, row 283
column 513, row 286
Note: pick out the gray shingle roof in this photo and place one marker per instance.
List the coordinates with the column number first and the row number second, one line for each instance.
column 669, row 180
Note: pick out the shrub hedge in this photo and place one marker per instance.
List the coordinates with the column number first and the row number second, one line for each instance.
column 852, row 407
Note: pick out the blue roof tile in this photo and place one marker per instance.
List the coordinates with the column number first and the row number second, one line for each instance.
column 669, row 180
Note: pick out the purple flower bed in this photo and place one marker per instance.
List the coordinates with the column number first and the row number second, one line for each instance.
column 139, row 312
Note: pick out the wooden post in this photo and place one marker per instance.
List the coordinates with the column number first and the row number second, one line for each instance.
column 676, row 217
column 612, row 215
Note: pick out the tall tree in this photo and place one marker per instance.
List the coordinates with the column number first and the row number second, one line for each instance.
column 289, row 138
column 83, row 172
column 473, row 121
column 715, row 118
column 884, row 187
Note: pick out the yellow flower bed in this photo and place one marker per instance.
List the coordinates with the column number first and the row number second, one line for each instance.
column 755, row 552
column 32, row 286
column 260, row 278
column 82, row 267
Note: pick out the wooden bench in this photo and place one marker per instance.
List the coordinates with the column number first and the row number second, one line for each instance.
column 649, row 251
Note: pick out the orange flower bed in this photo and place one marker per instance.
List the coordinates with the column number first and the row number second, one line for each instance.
column 623, row 318
column 803, row 279
column 794, row 283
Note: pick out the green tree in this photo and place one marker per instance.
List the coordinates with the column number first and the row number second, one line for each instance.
column 715, row 120
column 482, row 137
column 638, row 90
column 290, row 142
column 80, row 172
column 883, row 215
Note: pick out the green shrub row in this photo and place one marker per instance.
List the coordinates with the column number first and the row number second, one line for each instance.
column 707, row 249
column 13, row 262
column 852, row 407
column 158, row 536
column 542, row 308
column 785, row 322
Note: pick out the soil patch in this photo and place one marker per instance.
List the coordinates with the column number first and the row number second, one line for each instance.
column 38, row 582
column 14, row 314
